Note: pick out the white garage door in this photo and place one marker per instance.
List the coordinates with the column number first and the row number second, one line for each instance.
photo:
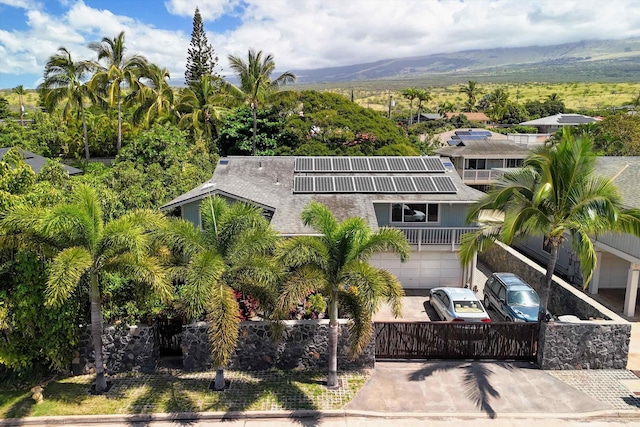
column 423, row 270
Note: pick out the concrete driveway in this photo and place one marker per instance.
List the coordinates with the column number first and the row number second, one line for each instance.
column 461, row 387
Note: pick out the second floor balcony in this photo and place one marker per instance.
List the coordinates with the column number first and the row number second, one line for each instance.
column 429, row 236
column 480, row 176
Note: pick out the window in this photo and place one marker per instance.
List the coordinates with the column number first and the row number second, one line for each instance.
column 513, row 163
column 414, row 212
column 476, row 164
column 502, row 294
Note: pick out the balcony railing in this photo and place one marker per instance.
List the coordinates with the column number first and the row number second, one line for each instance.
column 435, row 235
column 481, row 176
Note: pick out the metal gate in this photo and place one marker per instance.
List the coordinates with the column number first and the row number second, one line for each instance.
column 170, row 336
column 454, row 340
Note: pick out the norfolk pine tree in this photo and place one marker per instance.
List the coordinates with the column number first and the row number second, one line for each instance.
column 201, row 58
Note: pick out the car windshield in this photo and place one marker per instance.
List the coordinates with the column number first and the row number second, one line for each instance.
column 467, row 307
column 523, row 297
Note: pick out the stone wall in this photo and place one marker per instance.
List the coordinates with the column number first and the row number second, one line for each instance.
column 563, row 299
column 584, row 345
column 133, row 348
column 303, row 345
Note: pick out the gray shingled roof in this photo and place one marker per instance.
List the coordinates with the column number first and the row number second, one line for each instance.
column 268, row 181
column 486, row 149
column 626, row 171
column 561, row 119
column 37, row 162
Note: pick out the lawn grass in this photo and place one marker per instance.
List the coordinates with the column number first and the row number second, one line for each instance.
column 173, row 392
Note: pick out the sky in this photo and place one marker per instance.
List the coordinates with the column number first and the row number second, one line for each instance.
column 300, row 34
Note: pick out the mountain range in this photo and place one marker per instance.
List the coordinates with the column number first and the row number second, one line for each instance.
column 590, row 60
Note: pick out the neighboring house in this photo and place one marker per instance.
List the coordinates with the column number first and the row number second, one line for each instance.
column 551, row 124
column 426, row 117
column 476, row 160
column 618, row 255
column 37, row 162
column 417, row 195
column 477, row 117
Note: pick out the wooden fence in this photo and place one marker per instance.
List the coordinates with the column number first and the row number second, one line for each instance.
column 453, row 340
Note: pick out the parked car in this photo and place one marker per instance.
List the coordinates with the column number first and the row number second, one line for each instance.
column 511, row 297
column 412, row 215
column 458, row 305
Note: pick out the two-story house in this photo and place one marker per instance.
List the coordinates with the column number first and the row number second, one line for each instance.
column 418, row 195
column 477, row 157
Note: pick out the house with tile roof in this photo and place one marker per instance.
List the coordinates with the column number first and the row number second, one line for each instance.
column 551, row 124
column 37, row 162
column 418, row 195
column 618, row 255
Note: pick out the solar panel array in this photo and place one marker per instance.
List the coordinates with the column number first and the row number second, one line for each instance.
column 484, row 133
column 374, row 184
column 368, row 164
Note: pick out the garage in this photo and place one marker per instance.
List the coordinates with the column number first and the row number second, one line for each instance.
column 423, row 270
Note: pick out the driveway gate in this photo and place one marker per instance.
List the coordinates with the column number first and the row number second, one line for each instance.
column 456, row 340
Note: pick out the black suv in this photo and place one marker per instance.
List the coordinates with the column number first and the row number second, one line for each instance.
column 511, row 297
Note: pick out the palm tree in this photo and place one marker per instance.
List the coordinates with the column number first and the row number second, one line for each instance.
column 472, row 91
column 154, row 95
column 446, row 107
column 256, row 86
column 201, row 106
column 556, row 195
column 423, row 96
column 232, row 251
column 336, row 265
column 410, row 94
column 19, row 90
column 499, row 101
column 64, row 81
column 119, row 69
column 88, row 248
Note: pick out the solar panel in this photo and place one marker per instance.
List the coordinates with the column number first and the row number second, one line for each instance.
column 384, row 184
column 341, row 164
column 434, row 164
column 344, row 184
column 397, row 164
column 364, row 184
column 303, row 184
column 424, row 184
column 304, row 164
column 378, row 164
column 415, row 164
column 323, row 164
column 404, row 184
column 444, row 184
column 359, row 164
column 462, row 132
column 324, row 184
column 472, row 137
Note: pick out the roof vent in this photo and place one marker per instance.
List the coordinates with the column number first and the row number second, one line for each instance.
column 208, row 185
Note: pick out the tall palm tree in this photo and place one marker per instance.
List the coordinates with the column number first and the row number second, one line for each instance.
column 232, row 251
column 499, row 101
column 65, row 81
column 89, row 247
column 472, row 90
column 201, row 105
column 19, row 90
column 256, row 86
column 336, row 265
column 446, row 107
column 410, row 94
column 423, row 96
column 153, row 94
column 557, row 195
column 119, row 70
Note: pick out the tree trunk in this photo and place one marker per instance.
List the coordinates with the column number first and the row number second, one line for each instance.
column 219, row 381
column 96, row 332
column 548, row 279
column 86, row 135
column 119, row 144
column 255, row 130
column 332, row 379
column 410, row 112
column 419, row 112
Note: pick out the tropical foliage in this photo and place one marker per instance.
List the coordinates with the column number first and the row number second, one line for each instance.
column 335, row 265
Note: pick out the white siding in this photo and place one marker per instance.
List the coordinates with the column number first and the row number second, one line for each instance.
column 613, row 272
column 424, row 270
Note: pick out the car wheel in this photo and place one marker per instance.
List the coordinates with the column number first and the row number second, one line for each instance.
column 487, row 304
